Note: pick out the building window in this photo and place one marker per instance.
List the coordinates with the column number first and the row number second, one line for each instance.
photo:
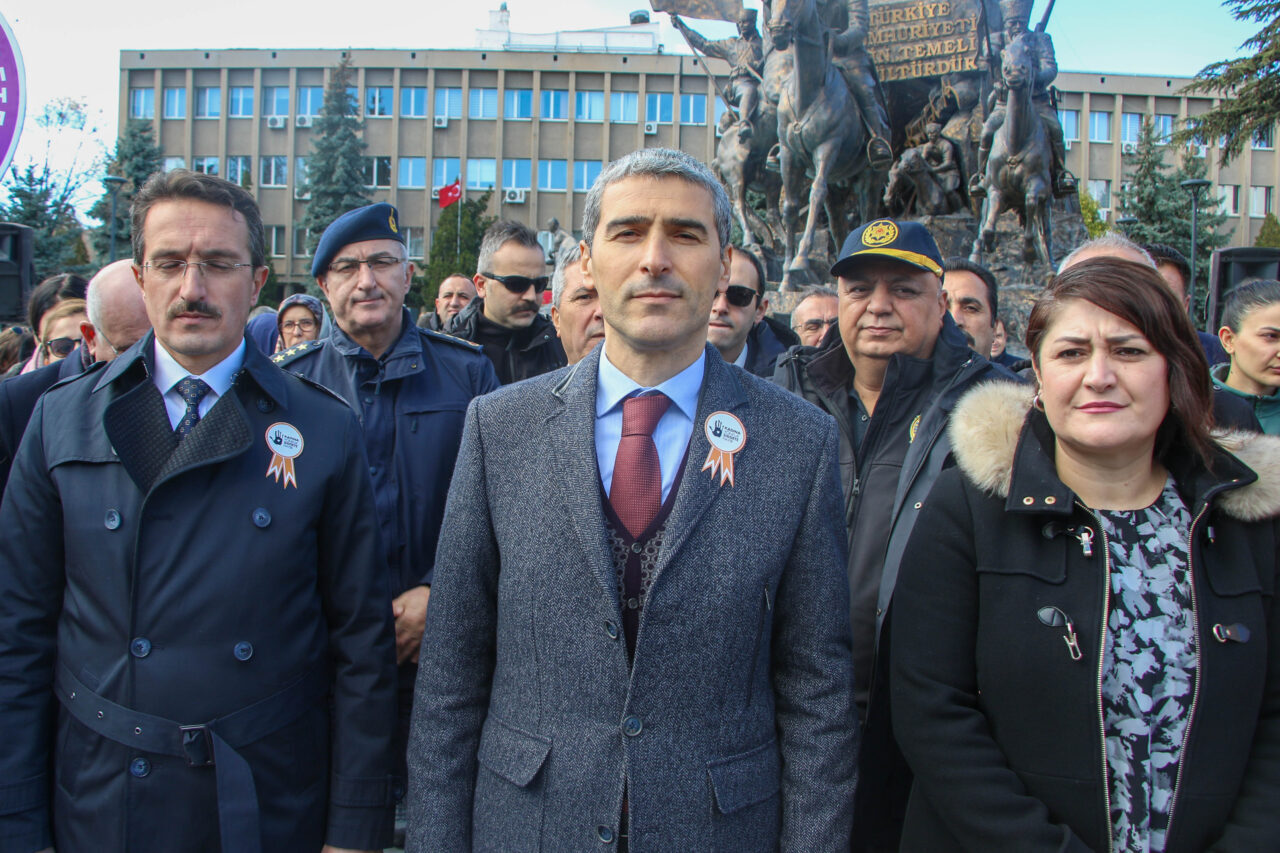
column 448, row 103
column 300, row 236
column 588, row 106
column 1100, row 191
column 553, row 175
column 300, row 170
column 274, row 172
column 413, row 173
column 239, row 169
column 623, row 106
column 275, row 101
column 516, row 174
column 142, row 103
column 1259, row 201
column 1070, row 121
column 585, row 173
column 657, row 107
column 415, row 241
column 175, row 103
column 378, row 101
column 277, row 241
column 1130, row 128
column 1263, row 138
column 310, row 100
column 1100, row 126
column 1229, row 198
column 413, row 102
column 207, row 165
column 555, row 104
column 693, row 109
column 208, row 101
column 171, row 163
column 483, row 103
column 518, row 104
column 1162, row 123
column 241, row 103
column 353, row 100
column 376, row 172
column 444, row 171
column 482, row 173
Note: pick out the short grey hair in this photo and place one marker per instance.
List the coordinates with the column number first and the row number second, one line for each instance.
column 658, row 163
column 817, row 290
column 1111, row 243
column 93, row 302
column 570, row 253
column 499, row 234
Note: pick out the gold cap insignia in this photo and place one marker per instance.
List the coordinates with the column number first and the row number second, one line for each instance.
column 880, row 233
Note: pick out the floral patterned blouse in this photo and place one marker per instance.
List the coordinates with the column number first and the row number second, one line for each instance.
column 1149, row 669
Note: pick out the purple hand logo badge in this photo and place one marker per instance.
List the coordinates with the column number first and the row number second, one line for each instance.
column 13, row 95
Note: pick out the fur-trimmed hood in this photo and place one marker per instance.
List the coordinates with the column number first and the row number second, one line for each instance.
column 988, row 422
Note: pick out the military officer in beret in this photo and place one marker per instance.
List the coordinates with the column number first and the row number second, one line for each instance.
column 188, row 566
column 409, row 387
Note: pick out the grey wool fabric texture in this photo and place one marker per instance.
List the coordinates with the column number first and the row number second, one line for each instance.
column 734, row 728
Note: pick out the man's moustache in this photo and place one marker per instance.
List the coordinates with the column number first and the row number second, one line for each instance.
column 204, row 309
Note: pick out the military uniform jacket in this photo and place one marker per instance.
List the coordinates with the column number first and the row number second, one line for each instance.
column 733, row 729
column 411, row 403
column 184, row 581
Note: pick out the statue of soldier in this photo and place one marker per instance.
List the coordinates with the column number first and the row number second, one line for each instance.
column 850, row 56
column 934, row 161
column 558, row 236
column 746, row 54
column 940, row 154
column 1017, row 14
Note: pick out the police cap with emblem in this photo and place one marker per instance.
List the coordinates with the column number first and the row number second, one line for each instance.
column 906, row 241
column 378, row 221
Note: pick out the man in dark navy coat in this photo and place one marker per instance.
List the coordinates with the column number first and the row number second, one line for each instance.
column 409, row 387
column 191, row 569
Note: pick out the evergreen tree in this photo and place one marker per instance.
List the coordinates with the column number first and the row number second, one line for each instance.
column 137, row 157
column 335, row 170
column 1250, row 83
column 1094, row 224
column 1269, row 233
column 39, row 200
column 453, row 250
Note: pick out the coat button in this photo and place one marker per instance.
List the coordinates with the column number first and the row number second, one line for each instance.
column 636, row 547
column 265, row 405
column 605, row 834
column 112, row 519
column 611, row 629
column 140, row 767
column 632, row 726
column 243, row 650
column 140, row 647
column 261, row 518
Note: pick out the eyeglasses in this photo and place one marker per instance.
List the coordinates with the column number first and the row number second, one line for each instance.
column 378, row 265
column 61, row 347
column 298, row 326
column 739, row 296
column 173, row 268
column 520, row 283
column 816, row 324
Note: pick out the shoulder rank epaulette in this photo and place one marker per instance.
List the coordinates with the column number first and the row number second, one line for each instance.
column 431, row 334
column 293, row 353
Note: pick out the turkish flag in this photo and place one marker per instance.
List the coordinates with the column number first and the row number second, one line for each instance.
column 451, row 193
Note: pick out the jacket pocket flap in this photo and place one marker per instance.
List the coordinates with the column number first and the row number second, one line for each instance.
column 515, row 755
column 747, row 778
column 1049, row 571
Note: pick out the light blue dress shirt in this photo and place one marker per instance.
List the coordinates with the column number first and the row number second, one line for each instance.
column 671, row 436
column 219, row 378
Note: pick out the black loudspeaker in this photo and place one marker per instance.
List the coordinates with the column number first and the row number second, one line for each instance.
column 1229, row 268
column 17, row 271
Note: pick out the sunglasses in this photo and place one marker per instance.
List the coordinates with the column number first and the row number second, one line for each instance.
column 739, row 296
column 61, row 347
column 518, row 283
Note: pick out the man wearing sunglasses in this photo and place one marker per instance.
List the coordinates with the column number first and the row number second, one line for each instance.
column 511, row 276
column 740, row 327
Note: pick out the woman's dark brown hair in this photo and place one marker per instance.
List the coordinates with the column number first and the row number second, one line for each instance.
column 1138, row 295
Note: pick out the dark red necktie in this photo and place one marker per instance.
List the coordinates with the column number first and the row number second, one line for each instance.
column 636, row 493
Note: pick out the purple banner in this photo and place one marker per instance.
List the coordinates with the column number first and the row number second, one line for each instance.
column 13, row 95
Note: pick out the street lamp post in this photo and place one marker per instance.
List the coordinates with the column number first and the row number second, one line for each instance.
column 114, row 183
column 1194, row 186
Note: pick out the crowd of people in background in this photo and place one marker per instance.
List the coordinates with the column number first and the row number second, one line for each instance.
column 645, row 567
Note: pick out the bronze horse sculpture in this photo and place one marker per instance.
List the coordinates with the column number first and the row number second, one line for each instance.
column 820, row 135
column 1017, row 176
column 913, row 179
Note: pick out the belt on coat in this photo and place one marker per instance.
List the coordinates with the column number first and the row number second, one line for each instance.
column 210, row 744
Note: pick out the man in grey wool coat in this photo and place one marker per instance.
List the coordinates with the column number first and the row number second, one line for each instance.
column 643, row 645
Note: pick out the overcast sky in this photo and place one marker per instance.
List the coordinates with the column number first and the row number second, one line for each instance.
column 72, row 48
